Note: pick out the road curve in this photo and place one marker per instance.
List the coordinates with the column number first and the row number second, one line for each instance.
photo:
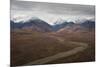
column 61, row 55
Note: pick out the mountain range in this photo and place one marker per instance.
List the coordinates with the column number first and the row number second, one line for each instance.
column 32, row 24
column 42, row 26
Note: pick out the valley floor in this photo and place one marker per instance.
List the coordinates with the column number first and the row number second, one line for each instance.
column 34, row 48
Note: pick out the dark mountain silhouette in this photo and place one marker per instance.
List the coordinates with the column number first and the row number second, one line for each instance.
column 32, row 24
column 38, row 25
column 16, row 25
column 88, row 24
column 42, row 26
column 60, row 26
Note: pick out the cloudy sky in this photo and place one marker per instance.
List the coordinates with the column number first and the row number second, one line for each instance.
column 50, row 12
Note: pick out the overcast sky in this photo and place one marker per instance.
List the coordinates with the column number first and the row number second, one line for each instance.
column 50, row 12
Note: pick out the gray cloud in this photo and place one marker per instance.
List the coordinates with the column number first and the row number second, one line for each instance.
column 51, row 9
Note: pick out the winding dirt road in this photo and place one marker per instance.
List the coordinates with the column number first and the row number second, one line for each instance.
column 82, row 46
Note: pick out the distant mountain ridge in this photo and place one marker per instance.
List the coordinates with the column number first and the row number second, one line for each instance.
column 32, row 24
column 64, row 24
column 42, row 26
column 88, row 24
